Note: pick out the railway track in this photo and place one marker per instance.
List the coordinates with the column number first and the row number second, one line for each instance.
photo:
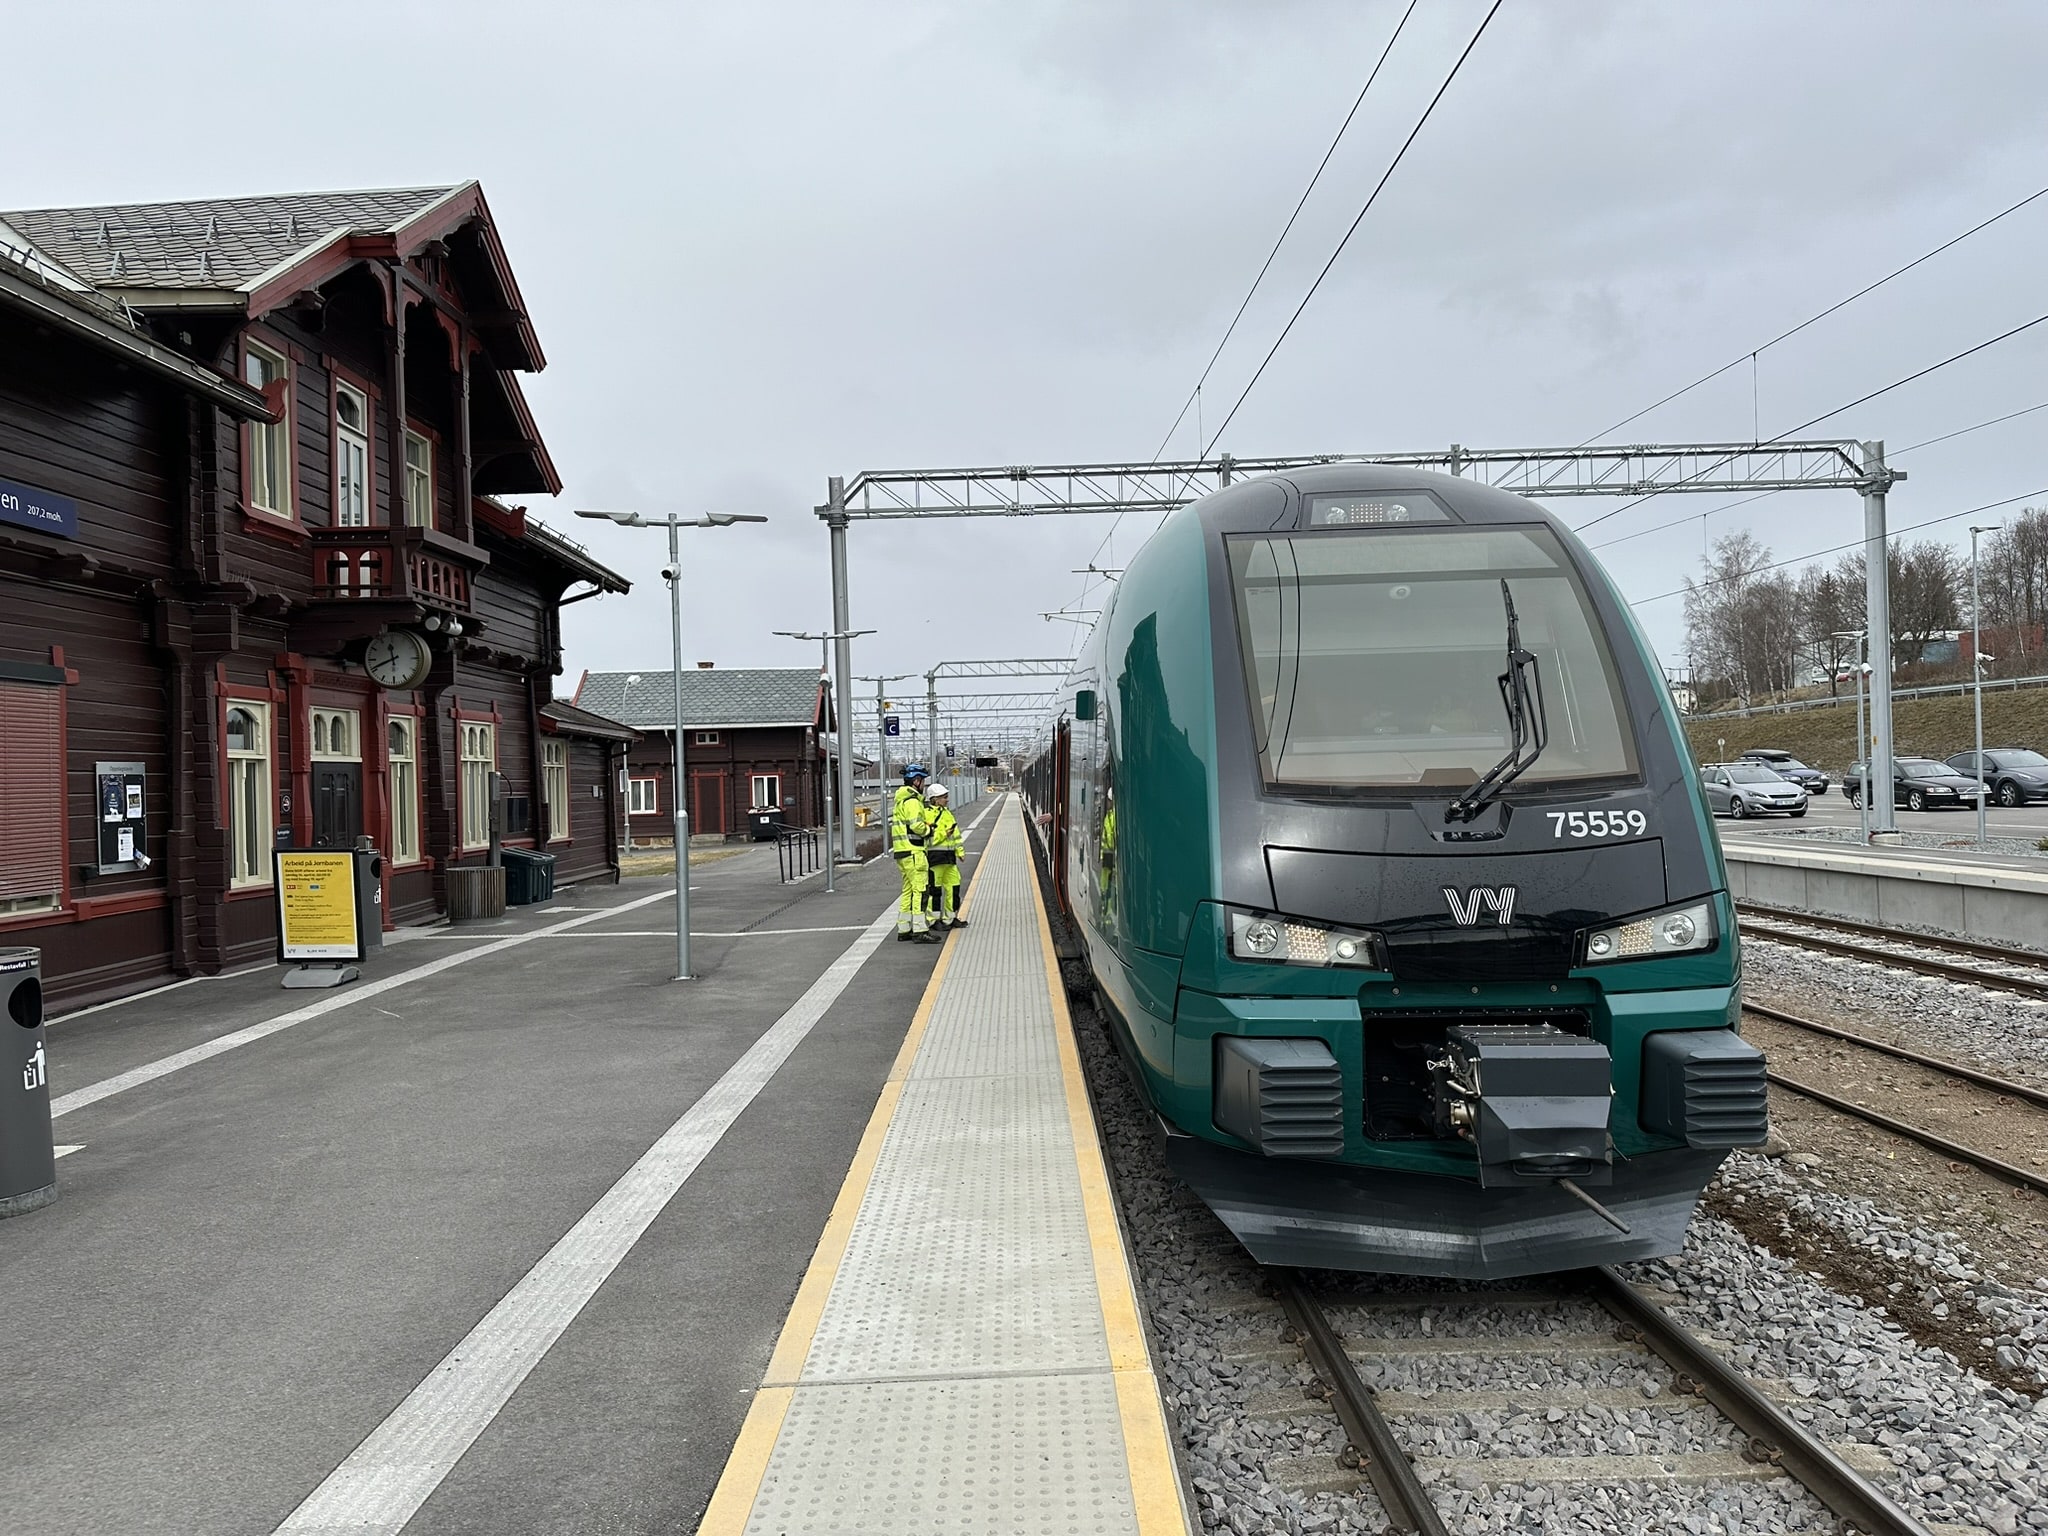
column 1997, row 966
column 2024, row 1093
column 1772, row 1441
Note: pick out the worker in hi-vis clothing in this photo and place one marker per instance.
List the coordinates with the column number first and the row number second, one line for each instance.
column 942, row 852
column 909, row 832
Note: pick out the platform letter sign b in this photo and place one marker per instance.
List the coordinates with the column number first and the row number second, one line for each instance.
column 1466, row 907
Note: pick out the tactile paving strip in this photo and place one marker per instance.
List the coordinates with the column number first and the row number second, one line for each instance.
column 969, row 1257
column 959, row 1377
column 1034, row 1456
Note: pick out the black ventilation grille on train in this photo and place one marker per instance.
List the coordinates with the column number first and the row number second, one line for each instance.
column 1284, row 1097
column 1706, row 1087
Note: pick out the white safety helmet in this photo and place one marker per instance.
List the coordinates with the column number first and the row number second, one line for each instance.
column 938, row 792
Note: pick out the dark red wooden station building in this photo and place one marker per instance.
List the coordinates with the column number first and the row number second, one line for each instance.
column 262, row 582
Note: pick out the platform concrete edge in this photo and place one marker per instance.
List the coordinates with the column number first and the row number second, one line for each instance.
column 1159, row 1493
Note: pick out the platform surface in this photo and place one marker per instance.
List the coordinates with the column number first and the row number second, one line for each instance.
column 965, row 1352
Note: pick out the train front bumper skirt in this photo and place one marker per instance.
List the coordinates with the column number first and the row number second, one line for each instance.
column 1339, row 1216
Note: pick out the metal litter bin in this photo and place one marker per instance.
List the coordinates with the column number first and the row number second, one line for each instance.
column 28, row 1148
column 763, row 825
column 529, row 876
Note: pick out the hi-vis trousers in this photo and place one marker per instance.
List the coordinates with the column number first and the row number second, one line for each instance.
column 916, row 877
column 945, row 885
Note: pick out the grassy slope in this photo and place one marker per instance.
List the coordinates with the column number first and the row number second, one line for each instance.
column 1937, row 727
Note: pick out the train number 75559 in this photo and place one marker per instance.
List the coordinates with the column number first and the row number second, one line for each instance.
column 1597, row 823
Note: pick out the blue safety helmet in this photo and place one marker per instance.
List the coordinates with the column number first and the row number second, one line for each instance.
column 915, row 771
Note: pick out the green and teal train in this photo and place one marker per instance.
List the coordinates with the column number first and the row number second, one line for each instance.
column 1402, row 897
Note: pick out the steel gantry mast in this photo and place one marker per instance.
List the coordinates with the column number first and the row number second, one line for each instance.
column 1643, row 469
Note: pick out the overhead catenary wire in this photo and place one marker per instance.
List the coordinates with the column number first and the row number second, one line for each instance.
column 1195, row 395
column 1814, row 319
column 1893, row 456
column 1373, row 197
column 1863, row 399
column 1835, row 549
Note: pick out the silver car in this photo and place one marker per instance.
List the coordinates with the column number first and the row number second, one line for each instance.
column 1750, row 789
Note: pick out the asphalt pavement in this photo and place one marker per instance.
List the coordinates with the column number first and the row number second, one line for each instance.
column 1831, row 810
column 293, row 1208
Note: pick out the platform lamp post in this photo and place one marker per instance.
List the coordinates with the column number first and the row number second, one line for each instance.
column 672, row 573
column 1977, row 674
column 831, row 716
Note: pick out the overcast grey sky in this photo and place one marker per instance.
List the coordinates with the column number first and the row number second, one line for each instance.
column 766, row 243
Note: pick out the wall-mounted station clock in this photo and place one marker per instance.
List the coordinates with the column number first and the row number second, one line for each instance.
column 397, row 658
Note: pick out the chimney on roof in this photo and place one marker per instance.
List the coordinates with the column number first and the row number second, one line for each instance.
column 705, row 666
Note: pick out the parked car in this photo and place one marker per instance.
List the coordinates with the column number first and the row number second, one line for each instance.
column 1786, row 766
column 2015, row 774
column 1750, row 789
column 1919, row 784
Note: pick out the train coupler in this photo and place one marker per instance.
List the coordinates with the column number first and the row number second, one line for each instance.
column 1532, row 1099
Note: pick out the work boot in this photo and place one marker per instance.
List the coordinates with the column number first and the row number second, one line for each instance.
column 904, row 935
column 959, row 922
column 928, row 937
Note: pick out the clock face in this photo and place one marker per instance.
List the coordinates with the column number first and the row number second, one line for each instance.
column 397, row 658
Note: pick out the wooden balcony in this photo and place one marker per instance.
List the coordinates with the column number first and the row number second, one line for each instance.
column 364, row 564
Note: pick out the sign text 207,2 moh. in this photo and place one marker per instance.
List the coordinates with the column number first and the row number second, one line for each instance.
column 27, row 507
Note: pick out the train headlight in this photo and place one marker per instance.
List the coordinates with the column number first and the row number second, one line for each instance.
column 1260, row 937
column 1284, row 941
column 1679, row 931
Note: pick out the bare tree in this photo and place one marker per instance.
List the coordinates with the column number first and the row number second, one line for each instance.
column 2013, row 572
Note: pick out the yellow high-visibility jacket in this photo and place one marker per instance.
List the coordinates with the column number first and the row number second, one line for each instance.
column 909, row 822
column 945, row 832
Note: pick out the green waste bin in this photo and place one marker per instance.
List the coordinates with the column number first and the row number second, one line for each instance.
column 529, row 877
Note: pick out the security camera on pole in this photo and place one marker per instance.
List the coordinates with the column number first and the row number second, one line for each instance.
column 672, row 573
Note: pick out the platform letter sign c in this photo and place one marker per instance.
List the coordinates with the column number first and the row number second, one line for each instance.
column 1465, row 908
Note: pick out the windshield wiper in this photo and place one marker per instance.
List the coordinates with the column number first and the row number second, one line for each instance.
column 1521, row 694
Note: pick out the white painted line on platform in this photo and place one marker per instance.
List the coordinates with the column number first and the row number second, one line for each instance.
column 123, row 1002
column 148, row 1073
column 74, row 1147
column 396, row 1469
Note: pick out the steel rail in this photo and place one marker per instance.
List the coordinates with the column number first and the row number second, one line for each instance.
column 2005, row 953
column 1940, row 1064
column 1380, row 1455
column 1942, row 970
column 1775, row 1436
column 1932, row 1140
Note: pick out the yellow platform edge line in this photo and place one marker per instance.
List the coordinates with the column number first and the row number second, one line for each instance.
column 739, row 1485
column 1156, row 1493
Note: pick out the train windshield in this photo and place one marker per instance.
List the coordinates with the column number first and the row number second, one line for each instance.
column 1373, row 658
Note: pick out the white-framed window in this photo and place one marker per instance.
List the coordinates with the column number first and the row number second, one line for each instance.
column 706, row 738
column 351, row 457
column 767, row 792
column 643, row 797
column 337, row 736
column 267, row 475
column 403, row 754
column 249, row 757
column 479, row 757
column 554, row 787
column 419, row 479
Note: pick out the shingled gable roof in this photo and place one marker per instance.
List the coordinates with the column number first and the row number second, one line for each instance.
column 254, row 254
column 565, row 719
column 712, row 697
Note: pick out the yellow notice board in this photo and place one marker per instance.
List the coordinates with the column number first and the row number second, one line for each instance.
column 316, row 905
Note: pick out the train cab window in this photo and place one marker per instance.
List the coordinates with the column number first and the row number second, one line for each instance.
column 1373, row 657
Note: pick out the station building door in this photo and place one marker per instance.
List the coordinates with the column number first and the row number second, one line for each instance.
column 707, row 804
column 337, row 777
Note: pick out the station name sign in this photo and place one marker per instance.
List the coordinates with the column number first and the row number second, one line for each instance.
column 44, row 511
